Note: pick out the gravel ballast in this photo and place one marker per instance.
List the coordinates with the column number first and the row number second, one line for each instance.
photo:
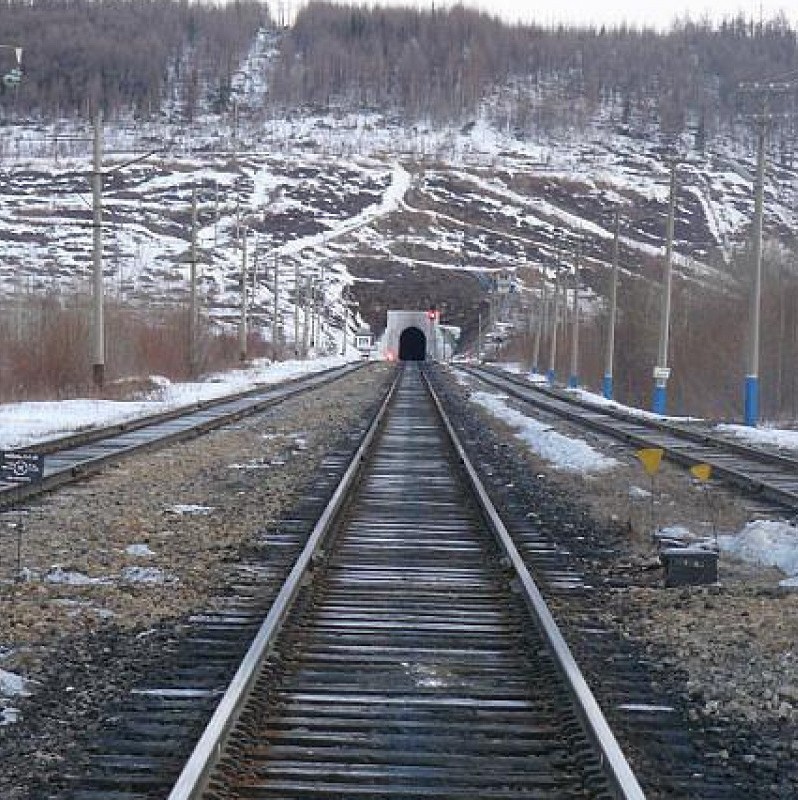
column 113, row 566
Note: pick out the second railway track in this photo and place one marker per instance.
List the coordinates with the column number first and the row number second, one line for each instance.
column 76, row 456
column 768, row 475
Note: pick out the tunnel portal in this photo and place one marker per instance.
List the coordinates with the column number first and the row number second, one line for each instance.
column 412, row 345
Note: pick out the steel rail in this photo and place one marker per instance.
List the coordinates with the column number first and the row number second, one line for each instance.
column 617, row 770
column 261, row 398
column 56, row 443
column 607, row 422
column 194, row 777
column 664, row 425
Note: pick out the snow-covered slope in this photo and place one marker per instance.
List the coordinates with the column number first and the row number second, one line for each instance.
column 360, row 197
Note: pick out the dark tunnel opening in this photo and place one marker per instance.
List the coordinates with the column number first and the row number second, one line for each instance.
column 412, row 345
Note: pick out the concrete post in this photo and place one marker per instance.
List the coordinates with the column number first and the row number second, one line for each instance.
column 609, row 361
column 661, row 370
column 751, row 405
column 98, row 330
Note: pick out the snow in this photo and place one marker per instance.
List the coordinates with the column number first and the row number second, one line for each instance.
column 12, row 685
column 390, row 201
column 599, row 400
column 139, row 551
column 57, row 574
column 563, row 452
column 78, row 607
column 645, row 708
column 189, row 509
column 765, row 435
column 24, row 424
column 771, row 543
column 151, row 575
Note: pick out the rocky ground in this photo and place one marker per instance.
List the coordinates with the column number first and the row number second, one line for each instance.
column 139, row 547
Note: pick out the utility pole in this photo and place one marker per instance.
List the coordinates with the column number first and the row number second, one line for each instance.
column 573, row 378
column 296, row 309
column 751, row 386
column 346, row 321
column 255, row 257
column 216, row 215
column 192, row 309
column 539, row 325
column 314, row 312
column 235, row 133
column 242, row 326
column 552, row 373
column 751, row 405
column 276, row 311
column 306, row 326
column 98, row 331
column 661, row 370
column 609, row 362
column 321, row 306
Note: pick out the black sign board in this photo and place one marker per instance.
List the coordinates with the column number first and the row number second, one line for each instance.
column 21, row 468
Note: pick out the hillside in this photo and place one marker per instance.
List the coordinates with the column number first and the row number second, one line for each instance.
column 405, row 213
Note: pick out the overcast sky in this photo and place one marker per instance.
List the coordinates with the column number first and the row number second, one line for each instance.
column 658, row 14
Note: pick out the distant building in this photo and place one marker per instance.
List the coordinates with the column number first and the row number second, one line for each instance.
column 364, row 342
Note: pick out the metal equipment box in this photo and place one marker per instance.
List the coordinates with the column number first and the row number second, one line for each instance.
column 689, row 566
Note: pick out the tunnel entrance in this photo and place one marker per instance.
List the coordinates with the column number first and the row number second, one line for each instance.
column 412, row 345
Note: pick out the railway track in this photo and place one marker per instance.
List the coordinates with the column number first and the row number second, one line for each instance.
column 408, row 668
column 408, row 654
column 77, row 456
column 767, row 475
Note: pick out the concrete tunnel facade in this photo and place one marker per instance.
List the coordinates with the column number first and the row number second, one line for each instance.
column 411, row 336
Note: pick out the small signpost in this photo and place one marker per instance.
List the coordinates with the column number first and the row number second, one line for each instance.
column 651, row 459
column 21, row 469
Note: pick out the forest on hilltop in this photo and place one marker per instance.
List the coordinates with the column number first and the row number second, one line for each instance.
column 436, row 65
column 125, row 55
column 441, row 65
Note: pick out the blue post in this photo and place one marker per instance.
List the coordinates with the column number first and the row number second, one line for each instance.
column 573, row 381
column 659, row 401
column 751, row 400
column 550, row 376
column 607, row 387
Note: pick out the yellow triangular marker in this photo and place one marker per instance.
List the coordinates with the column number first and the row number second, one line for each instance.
column 701, row 471
column 651, row 458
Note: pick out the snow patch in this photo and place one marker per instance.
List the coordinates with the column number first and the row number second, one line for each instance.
column 766, row 435
column 151, row 575
column 770, row 543
column 564, row 452
column 12, row 685
column 57, row 574
column 186, row 509
column 139, row 551
column 23, row 424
